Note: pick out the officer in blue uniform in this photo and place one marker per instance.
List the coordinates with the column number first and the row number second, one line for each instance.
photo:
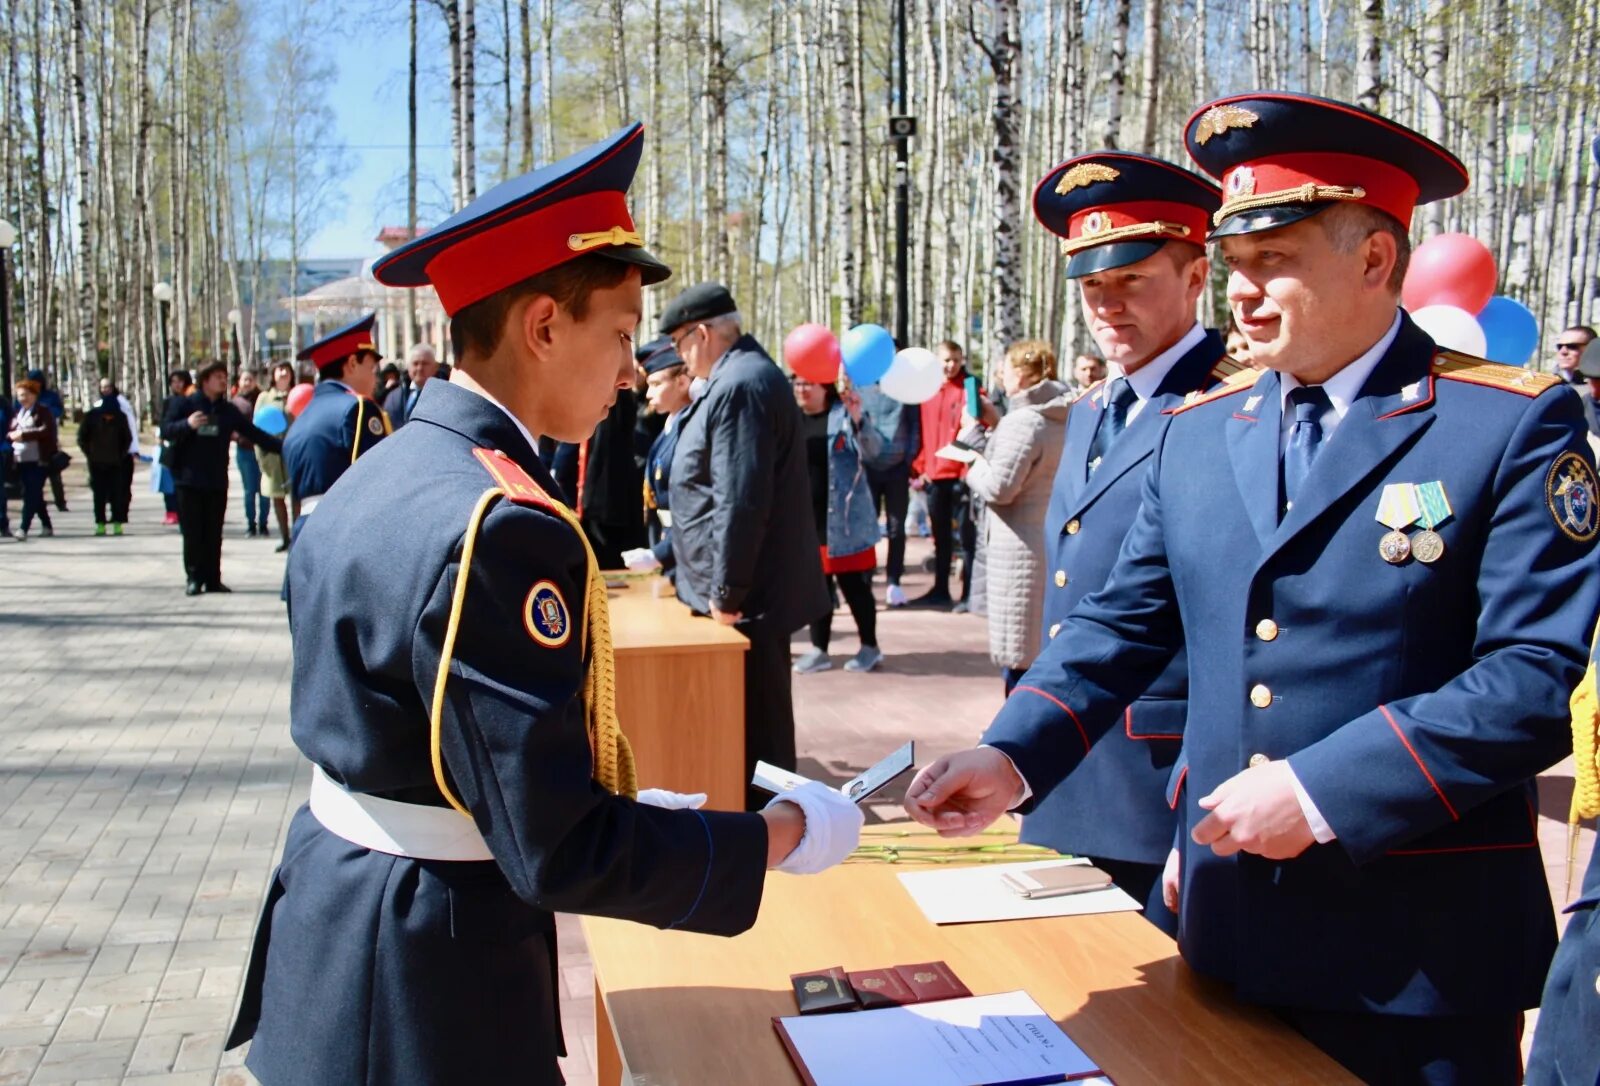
column 667, row 386
column 1566, row 1045
column 1380, row 558
column 470, row 776
column 1134, row 228
column 342, row 421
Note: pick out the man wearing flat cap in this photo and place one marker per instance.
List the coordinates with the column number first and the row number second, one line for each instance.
column 470, row 775
column 1379, row 555
column 742, row 530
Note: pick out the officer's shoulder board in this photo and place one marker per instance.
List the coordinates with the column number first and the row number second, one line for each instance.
column 514, row 483
column 1241, row 378
column 1455, row 366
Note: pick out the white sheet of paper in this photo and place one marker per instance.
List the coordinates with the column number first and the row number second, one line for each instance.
column 969, row 895
column 978, row 1041
column 956, row 453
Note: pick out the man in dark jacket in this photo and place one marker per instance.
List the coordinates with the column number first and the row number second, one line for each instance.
column 199, row 433
column 104, row 437
column 742, row 530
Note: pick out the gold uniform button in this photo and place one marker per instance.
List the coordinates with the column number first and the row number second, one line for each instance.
column 1055, row 629
column 1061, row 578
column 1267, row 630
column 1072, row 527
column 1257, row 760
column 1260, row 696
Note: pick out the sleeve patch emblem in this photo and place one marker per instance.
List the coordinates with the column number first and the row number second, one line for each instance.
column 1570, row 491
column 546, row 617
column 375, row 426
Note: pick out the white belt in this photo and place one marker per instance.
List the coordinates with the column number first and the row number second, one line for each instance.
column 308, row 504
column 399, row 829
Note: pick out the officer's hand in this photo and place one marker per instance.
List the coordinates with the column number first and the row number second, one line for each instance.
column 1170, row 876
column 727, row 618
column 197, row 419
column 833, row 828
column 1255, row 811
column 641, row 560
column 672, row 801
column 960, row 794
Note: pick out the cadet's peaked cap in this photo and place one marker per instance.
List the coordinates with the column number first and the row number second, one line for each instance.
column 657, row 355
column 1589, row 363
column 1282, row 157
column 701, row 302
column 529, row 225
column 342, row 344
column 1112, row 208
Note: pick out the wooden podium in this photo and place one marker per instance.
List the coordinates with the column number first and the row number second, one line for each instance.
column 680, row 692
column 679, row 1009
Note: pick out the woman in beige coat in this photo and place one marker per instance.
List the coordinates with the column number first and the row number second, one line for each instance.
column 1014, row 476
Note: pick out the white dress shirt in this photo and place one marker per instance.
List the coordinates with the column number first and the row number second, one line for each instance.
column 1342, row 388
column 1147, row 378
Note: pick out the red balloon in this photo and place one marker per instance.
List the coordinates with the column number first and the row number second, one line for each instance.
column 1450, row 269
column 812, row 351
column 299, row 396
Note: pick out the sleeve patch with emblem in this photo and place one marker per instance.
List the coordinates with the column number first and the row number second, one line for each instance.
column 375, row 426
column 1569, row 491
column 546, row 617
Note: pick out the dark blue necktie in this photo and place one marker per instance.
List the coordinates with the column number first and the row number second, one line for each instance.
column 1113, row 422
column 1309, row 404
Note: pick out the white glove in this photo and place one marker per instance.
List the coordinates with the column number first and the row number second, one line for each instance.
column 641, row 560
column 672, row 801
column 833, row 828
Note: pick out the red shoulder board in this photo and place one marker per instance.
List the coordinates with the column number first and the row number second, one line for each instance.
column 511, row 479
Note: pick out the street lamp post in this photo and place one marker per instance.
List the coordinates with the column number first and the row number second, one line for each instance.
column 272, row 342
column 234, row 317
column 163, row 294
column 8, row 238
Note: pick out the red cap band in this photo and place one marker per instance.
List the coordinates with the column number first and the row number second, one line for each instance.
column 337, row 350
column 486, row 263
column 1085, row 225
column 1385, row 187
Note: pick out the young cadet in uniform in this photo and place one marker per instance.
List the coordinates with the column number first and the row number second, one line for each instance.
column 1380, row 558
column 470, row 775
column 1566, row 1044
column 667, row 390
column 342, row 421
column 1135, row 230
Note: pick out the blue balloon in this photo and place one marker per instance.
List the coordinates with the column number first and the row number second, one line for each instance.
column 1511, row 330
column 272, row 419
column 868, row 352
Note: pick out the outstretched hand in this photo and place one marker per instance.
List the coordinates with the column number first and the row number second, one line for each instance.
column 960, row 794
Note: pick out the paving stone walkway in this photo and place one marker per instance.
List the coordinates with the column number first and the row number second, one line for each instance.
column 147, row 777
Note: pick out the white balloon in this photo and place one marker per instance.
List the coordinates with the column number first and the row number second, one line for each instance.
column 914, row 376
column 1452, row 328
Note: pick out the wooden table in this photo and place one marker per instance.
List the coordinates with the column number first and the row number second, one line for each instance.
column 680, row 693
column 696, row 1010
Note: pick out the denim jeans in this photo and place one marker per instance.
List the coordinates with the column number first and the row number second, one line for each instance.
column 33, row 476
column 255, row 504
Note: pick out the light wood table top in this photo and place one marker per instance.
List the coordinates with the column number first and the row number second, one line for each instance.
column 642, row 621
column 691, row 1010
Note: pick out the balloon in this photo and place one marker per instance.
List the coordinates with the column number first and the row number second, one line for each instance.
column 1452, row 328
column 272, row 419
column 1510, row 331
column 868, row 353
column 1450, row 269
column 813, row 353
column 914, row 376
column 299, row 396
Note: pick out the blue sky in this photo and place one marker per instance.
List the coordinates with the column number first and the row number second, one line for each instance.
column 369, row 104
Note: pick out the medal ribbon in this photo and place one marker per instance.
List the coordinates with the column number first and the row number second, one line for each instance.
column 1399, row 507
column 1435, row 504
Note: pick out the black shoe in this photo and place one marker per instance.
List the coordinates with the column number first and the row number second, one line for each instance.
column 62, row 507
column 192, row 588
column 281, row 547
column 934, row 598
column 250, row 532
column 217, row 586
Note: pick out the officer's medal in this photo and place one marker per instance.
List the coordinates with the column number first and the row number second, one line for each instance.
column 1398, row 509
column 1428, row 545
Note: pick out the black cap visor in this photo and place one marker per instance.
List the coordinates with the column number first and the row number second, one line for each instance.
column 1117, row 254
column 1266, row 218
column 651, row 270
